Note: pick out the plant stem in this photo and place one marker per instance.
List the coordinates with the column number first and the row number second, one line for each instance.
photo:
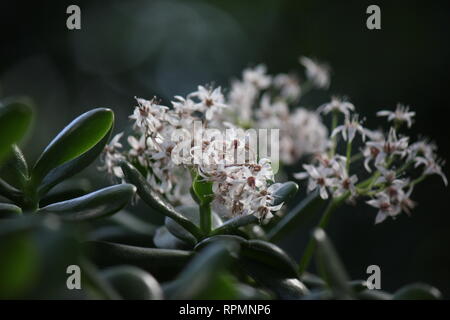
column 205, row 218
column 334, row 121
column 311, row 246
column 349, row 156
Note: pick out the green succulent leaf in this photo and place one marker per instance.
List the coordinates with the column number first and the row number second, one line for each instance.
column 70, row 168
column 93, row 205
column 80, row 136
column 9, row 192
column 285, row 192
column 19, row 166
column 166, row 240
column 163, row 263
column 295, row 217
column 368, row 294
column 132, row 283
column 154, row 200
column 231, row 225
column 8, row 210
column 330, row 266
column 200, row 272
column 417, row 291
column 16, row 116
column 270, row 256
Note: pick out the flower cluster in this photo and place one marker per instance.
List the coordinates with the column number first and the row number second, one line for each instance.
column 259, row 100
column 393, row 165
column 172, row 145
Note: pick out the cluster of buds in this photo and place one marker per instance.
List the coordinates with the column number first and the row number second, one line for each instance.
column 393, row 164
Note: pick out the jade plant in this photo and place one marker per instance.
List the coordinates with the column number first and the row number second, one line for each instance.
column 223, row 203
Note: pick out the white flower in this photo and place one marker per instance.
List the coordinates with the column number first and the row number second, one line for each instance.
column 257, row 77
column 432, row 166
column 318, row 74
column 138, row 149
column 211, row 101
column 112, row 157
column 350, row 128
column 148, row 115
column 288, row 85
column 338, row 105
column 343, row 183
column 319, row 177
column 401, row 114
column 391, row 146
column 384, row 206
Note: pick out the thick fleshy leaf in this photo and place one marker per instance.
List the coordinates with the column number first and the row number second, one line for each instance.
column 231, row 225
column 19, row 166
column 266, row 263
column 312, row 281
column 153, row 200
column 200, row 272
column 72, row 167
column 68, row 189
column 8, row 210
column 192, row 214
column 285, row 192
column 15, row 118
column 166, row 240
column 81, row 135
column 271, row 256
column 330, row 266
column 295, row 217
column 373, row 295
column 163, row 263
column 417, row 291
column 93, row 205
column 220, row 238
column 132, row 283
column 9, row 192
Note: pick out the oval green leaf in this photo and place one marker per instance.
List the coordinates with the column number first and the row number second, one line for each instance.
column 330, row 266
column 285, row 192
column 78, row 137
column 417, row 291
column 93, row 205
column 15, row 117
column 132, row 283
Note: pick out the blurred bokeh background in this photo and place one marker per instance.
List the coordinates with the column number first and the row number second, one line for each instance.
column 167, row 47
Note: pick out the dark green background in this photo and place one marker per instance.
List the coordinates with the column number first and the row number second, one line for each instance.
column 163, row 48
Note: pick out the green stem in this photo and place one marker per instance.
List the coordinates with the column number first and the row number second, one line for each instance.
column 349, row 156
column 205, row 218
column 311, row 246
column 334, row 121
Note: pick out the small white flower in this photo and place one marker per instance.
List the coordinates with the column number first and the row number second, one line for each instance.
column 148, row 115
column 391, row 146
column 350, row 128
column 257, row 77
column 343, row 183
column 138, row 149
column 432, row 166
column 288, row 85
column 112, row 156
column 211, row 101
column 319, row 177
column 401, row 114
column 317, row 73
column 338, row 105
column 384, row 206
